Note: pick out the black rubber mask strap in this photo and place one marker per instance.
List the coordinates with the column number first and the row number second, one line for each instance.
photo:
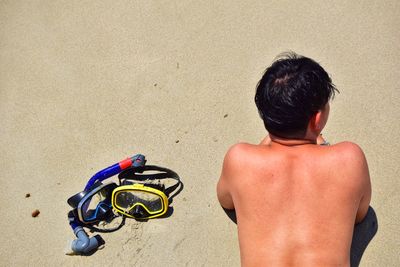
column 136, row 174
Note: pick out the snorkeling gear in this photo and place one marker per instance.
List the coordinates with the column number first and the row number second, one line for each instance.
column 145, row 198
column 140, row 195
column 93, row 205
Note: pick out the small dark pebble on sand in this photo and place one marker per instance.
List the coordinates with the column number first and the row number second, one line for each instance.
column 27, row 195
column 226, row 115
column 177, row 141
column 155, row 85
column 35, row 213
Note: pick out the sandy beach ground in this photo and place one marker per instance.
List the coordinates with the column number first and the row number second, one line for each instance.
column 84, row 84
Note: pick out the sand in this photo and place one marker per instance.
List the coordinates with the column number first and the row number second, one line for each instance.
column 86, row 84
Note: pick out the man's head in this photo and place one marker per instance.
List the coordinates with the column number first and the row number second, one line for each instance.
column 291, row 94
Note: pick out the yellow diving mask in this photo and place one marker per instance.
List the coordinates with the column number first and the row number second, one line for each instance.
column 144, row 192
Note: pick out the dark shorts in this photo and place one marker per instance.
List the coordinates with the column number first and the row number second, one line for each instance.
column 362, row 235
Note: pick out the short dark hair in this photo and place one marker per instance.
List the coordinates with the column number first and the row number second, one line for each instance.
column 290, row 92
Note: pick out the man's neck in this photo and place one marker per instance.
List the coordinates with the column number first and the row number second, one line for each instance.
column 292, row 141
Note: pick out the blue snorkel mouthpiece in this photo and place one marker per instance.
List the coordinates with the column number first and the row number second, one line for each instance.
column 83, row 244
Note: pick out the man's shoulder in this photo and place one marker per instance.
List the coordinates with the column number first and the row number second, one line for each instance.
column 347, row 145
column 349, row 151
column 240, row 148
column 351, row 163
column 243, row 151
column 240, row 155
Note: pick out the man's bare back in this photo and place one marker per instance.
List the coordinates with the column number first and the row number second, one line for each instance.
column 296, row 204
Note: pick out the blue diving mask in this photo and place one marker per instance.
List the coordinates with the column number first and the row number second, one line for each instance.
column 93, row 205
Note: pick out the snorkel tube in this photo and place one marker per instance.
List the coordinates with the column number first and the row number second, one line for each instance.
column 83, row 244
column 135, row 161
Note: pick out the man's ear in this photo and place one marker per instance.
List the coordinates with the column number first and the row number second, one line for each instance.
column 315, row 121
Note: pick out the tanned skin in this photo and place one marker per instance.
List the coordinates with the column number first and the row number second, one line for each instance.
column 296, row 202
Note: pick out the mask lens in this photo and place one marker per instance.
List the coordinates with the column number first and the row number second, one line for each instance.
column 96, row 205
column 128, row 200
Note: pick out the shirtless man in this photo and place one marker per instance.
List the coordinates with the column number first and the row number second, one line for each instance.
column 296, row 201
